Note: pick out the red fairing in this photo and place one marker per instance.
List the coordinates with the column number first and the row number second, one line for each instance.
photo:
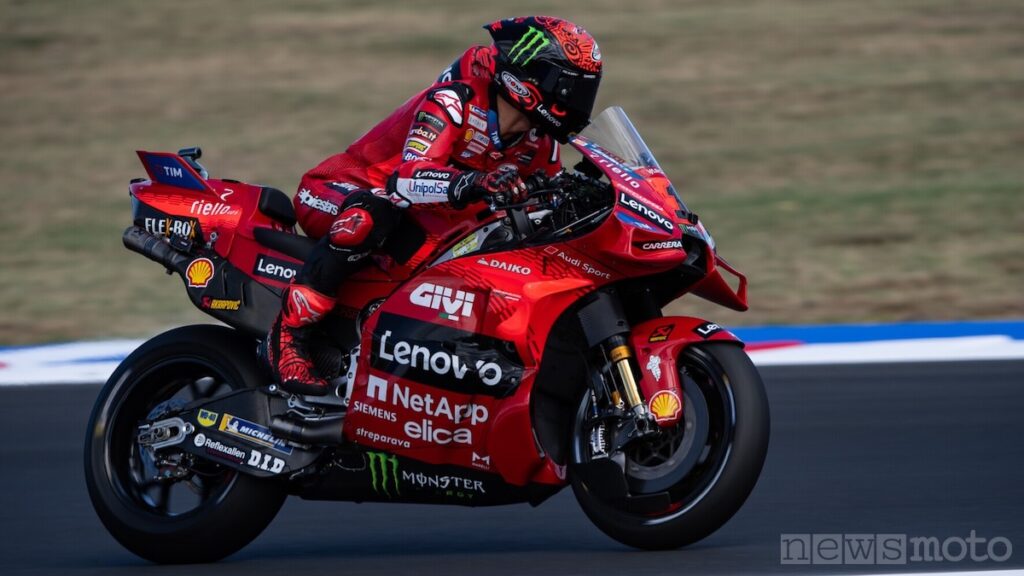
column 715, row 289
column 645, row 236
column 178, row 201
column 448, row 362
column 658, row 343
column 508, row 299
column 470, row 321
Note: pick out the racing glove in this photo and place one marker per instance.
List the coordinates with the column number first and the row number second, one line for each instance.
column 503, row 185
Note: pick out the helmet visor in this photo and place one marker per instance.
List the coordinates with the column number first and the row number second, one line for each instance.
column 572, row 99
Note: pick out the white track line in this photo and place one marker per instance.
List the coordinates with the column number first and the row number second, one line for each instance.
column 93, row 362
column 888, row 351
column 60, row 362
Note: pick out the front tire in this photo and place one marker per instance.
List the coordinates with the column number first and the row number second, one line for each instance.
column 710, row 478
column 144, row 513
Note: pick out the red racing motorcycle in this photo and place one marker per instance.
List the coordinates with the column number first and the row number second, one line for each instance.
column 487, row 356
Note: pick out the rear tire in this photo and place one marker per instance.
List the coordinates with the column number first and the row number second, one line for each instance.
column 233, row 508
column 714, row 489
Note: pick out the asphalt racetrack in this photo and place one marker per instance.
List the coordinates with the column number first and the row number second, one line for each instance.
column 923, row 450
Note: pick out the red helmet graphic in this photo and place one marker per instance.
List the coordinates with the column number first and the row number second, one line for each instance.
column 550, row 69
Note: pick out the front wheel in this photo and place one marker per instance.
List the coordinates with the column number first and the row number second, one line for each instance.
column 708, row 464
column 166, row 505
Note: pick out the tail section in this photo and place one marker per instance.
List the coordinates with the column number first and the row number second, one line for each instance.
column 173, row 170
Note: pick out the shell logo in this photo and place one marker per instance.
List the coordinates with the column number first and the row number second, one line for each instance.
column 665, row 406
column 199, row 272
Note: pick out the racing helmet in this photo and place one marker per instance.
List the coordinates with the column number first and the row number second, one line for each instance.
column 549, row 69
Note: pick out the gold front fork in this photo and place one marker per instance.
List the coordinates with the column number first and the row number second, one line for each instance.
column 620, row 356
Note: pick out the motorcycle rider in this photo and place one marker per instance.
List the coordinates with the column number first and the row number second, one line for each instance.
column 496, row 112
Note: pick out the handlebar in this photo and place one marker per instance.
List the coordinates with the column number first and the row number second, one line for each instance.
column 573, row 191
column 537, row 184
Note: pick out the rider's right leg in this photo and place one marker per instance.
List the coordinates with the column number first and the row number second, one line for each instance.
column 364, row 224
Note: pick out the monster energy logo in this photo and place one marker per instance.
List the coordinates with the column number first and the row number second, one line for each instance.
column 534, row 40
column 380, row 474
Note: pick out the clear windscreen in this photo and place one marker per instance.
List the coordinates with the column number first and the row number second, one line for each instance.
column 613, row 131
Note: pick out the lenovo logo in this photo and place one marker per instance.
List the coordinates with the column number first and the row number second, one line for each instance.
column 440, row 362
column 274, row 269
column 649, row 213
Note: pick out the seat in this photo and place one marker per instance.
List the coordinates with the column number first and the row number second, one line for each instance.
column 276, row 205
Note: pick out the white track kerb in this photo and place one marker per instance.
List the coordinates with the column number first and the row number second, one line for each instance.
column 93, row 362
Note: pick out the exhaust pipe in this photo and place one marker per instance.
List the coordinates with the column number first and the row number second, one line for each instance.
column 322, row 432
column 153, row 247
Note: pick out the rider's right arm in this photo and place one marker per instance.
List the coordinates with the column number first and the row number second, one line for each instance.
column 439, row 123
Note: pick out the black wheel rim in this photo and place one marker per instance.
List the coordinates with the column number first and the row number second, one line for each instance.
column 687, row 472
column 661, row 462
column 134, row 472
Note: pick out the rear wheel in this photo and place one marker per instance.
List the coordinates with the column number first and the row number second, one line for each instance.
column 708, row 464
column 165, row 505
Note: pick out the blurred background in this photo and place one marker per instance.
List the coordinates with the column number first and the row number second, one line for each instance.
column 858, row 160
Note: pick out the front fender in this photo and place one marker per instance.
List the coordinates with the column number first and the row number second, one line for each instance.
column 658, row 343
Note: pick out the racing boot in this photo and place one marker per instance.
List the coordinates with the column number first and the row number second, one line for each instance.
column 288, row 341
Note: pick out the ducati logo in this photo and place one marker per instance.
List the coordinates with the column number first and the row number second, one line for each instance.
column 453, row 304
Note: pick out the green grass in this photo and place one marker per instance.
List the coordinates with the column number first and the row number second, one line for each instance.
column 858, row 160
